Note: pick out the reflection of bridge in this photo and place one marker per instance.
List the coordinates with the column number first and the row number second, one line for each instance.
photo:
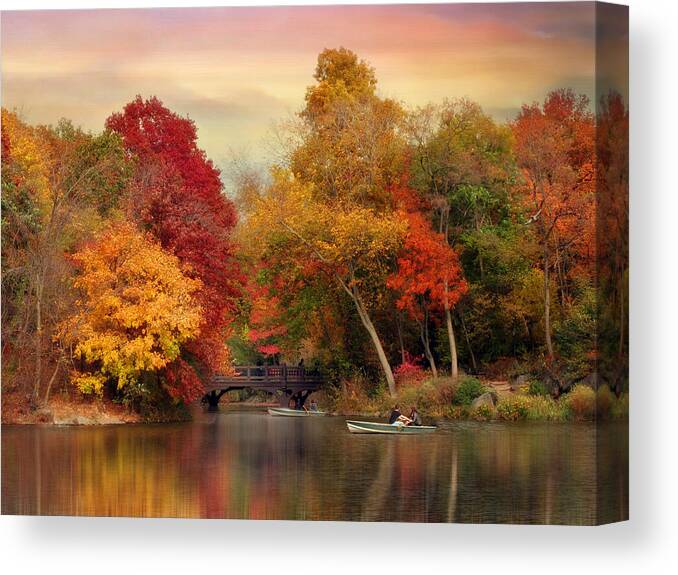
column 295, row 383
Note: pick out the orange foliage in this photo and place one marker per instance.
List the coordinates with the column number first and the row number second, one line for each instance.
column 428, row 268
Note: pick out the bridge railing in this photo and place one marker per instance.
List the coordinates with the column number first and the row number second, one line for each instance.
column 269, row 374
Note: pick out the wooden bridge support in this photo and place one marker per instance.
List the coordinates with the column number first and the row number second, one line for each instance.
column 300, row 398
column 212, row 399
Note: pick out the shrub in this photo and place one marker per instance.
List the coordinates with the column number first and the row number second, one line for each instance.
column 351, row 396
column 89, row 383
column 445, row 392
column 532, row 407
column 574, row 333
column 544, row 408
column 620, row 407
column 482, row 413
column 581, row 402
column 454, row 412
column 408, row 395
column 410, row 371
column 604, row 401
column 537, row 388
column 514, row 408
column 424, row 396
column 467, row 390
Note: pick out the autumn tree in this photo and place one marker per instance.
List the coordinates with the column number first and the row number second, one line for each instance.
column 354, row 247
column 554, row 147
column 462, row 165
column 331, row 205
column 266, row 325
column 59, row 183
column 612, row 225
column 428, row 277
column 135, row 311
column 178, row 196
column 350, row 144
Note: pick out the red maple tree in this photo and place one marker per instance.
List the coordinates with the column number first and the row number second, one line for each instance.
column 178, row 196
column 429, row 274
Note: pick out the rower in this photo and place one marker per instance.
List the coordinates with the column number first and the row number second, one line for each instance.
column 397, row 418
column 415, row 418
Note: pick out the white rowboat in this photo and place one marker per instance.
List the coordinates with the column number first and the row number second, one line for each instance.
column 287, row 412
column 387, row 428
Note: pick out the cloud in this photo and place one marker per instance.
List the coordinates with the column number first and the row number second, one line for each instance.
column 233, row 70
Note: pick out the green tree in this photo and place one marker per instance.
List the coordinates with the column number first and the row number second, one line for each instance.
column 462, row 164
column 59, row 183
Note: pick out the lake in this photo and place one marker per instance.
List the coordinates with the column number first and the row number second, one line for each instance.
column 246, row 464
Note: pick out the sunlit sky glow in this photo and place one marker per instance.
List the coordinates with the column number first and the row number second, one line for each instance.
column 237, row 70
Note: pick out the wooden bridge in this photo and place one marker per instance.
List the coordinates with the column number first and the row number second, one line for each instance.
column 286, row 382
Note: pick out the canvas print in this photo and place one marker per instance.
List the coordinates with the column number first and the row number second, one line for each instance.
column 344, row 263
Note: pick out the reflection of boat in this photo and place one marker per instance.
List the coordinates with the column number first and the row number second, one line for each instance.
column 287, row 412
column 373, row 427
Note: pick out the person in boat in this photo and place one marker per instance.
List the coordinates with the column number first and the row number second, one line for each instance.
column 313, row 406
column 415, row 418
column 397, row 418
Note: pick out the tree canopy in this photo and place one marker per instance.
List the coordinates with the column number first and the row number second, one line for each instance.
column 381, row 234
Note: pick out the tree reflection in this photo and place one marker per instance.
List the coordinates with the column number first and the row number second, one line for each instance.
column 248, row 465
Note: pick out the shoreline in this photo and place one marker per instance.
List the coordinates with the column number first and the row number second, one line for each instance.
column 581, row 404
column 109, row 421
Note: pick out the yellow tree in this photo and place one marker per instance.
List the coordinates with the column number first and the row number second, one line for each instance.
column 350, row 145
column 349, row 154
column 354, row 245
column 136, row 309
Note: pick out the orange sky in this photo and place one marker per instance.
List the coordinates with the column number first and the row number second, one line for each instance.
column 237, row 70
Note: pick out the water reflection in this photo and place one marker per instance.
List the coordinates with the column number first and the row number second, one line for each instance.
column 250, row 465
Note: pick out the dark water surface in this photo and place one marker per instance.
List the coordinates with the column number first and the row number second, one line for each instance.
column 246, row 464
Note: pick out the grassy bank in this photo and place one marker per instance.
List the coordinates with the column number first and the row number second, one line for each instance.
column 75, row 409
column 443, row 398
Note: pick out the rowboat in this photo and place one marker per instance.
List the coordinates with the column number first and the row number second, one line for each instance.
column 373, row 427
column 287, row 412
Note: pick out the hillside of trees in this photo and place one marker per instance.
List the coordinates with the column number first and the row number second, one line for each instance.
column 387, row 244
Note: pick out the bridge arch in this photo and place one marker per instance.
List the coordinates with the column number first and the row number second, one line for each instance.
column 289, row 382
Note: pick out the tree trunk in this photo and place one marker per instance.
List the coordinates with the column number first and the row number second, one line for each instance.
column 400, row 336
column 468, row 344
column 369, row 326
column 547, row 304
column 38, row 339
column 51, row 381
column 559, row 273
column 454, row 364
column 425, row 340
column 431, row 360
column 454, row 370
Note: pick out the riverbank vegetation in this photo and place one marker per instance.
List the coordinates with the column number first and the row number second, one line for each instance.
column 470, row 398
column 411, row 253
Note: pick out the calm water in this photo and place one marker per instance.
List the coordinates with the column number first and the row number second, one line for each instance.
column 247, row 464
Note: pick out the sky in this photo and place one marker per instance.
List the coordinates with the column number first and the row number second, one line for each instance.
column 237, row 71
